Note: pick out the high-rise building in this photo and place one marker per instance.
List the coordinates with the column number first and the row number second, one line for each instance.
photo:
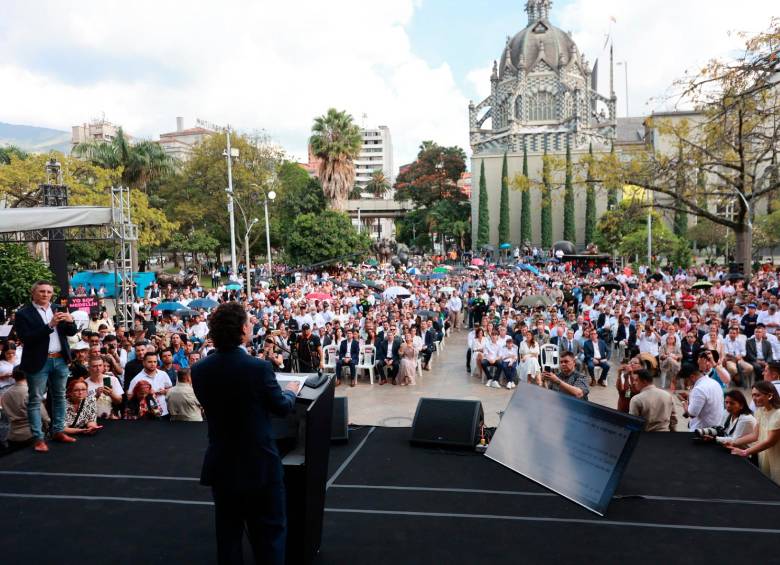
column 375, row 155
column 96, row 130
column 179, row 143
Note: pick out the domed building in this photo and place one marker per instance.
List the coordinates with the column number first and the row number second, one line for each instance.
column 543, row 97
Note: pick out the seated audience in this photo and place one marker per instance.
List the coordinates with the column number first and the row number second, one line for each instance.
column 80, row 411
column 765, row 439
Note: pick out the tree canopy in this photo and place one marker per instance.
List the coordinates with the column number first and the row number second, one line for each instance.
column 318, row 237
column 20, row 270
column 336, row 142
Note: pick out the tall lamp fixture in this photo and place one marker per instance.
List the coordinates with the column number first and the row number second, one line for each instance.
column 248, row 270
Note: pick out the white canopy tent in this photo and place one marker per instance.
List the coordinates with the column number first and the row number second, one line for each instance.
column 41, row 218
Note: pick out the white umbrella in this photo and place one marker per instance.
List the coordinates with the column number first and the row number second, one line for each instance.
column 447, row 289
column 395, row 291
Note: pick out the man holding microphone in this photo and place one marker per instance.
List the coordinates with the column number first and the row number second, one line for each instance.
column 239, row 393
column 44, row 332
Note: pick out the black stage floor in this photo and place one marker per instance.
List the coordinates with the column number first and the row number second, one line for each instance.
column 130, row 495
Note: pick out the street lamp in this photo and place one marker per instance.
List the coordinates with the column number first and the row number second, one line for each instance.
column 270, row 196
column 248, row 270
column 229, row 154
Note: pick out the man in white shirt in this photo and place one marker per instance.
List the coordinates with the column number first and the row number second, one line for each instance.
column 491, row 357
column 454, row 306
column 704, row 404
column 159, row 380
column 509, row 355
column 649, row 341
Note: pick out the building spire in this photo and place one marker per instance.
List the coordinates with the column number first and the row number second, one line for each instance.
column 538, row 10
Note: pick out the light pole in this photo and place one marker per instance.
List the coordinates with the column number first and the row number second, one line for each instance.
column 248, row 270
column 270, row 196
column 624, row 64
column 229, row 154
column 649, row 230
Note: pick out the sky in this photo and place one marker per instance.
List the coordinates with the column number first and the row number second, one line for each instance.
column 274, row 66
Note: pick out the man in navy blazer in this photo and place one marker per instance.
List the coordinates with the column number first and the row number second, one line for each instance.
column 45, row 359
column 349, row 354
column 596, row 355
column 239, row 393
column 388, row 357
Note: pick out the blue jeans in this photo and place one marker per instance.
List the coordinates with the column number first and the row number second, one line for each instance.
column 510, row 371
column 55, row 373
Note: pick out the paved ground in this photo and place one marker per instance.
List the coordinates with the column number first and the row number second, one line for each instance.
column 389, row 405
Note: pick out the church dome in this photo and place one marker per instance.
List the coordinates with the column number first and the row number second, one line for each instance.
column 540, row 43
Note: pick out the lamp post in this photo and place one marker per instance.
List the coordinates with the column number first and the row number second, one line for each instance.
column 229, row 153
column 624, row 64
column 271, row 195
column 248, row 270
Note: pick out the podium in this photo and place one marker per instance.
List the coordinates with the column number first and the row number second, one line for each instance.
column 303, row 439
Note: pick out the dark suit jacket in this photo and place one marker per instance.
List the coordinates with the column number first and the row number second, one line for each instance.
column 34, row 334
column 381, row 351
column 630, row 338
column 587, row 349
column 563, row 345
column 239, row 393
column 750, row 351
column 690, row 352
column 429, row 338
column 354, row 351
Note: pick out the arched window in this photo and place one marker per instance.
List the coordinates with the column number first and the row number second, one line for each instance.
column 542, row 107
column 519, row 108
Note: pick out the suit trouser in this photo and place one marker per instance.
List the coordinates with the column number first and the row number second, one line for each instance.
column 55, row 373
column 592, row 363
column 742, row 369
column 468, row 360
column 350, row 364
column 262, row 512
column 427, row 352
column 385, row 371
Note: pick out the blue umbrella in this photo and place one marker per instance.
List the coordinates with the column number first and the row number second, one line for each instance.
column 206, row 303
column 505, row 246
column 413, row 271
column 233, row 286
column 170, row 307
column 438, row 276
column 527, row 267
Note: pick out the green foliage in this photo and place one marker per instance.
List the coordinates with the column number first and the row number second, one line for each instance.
column 612, row 191
column 569, row 222
column 6, row 152
column 139, row 163
column 627, row 217
column 20, row 270
column 412, row 229
column 297, row 193
column 336, row 141
column 767, row 230
column 525, row 202
column 320, row 237
column 546, row 190
column 433, row 176
column 483, row 220
column 665, row 243
column 503, row 211
column 680, row 216
column 590, row 202
column 378, row 185
column 681, row 255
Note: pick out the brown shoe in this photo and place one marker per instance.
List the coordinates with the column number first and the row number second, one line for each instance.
column 383, row 382
column 40, row 446
column 352, row 382
column 338, row 382
column 592, row 382
column 62, row 437
column 602, row 383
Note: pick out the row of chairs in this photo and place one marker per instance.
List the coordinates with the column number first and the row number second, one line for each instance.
column 549, row 356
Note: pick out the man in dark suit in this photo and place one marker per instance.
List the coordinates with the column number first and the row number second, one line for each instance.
column 626, row 336
column 758, row 351
column 242, row 465
column 596, row 355
column 349, row 353
column 388, row 358
column 429, row 339
column 44, row 332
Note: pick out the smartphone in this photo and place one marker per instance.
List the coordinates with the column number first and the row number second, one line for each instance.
column 107, row 382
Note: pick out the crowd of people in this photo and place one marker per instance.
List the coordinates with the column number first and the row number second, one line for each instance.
column 700, row 334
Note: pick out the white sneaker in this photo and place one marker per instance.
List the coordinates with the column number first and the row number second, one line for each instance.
column 495, row 384
column 489, row 383
column 510, row 385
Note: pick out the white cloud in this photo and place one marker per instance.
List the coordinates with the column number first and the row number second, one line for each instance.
column 255, row 64
column 660, row 40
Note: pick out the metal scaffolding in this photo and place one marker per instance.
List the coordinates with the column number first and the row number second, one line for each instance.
column 125, row 234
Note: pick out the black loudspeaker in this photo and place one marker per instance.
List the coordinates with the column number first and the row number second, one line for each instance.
column 446, row 422
column 339, row 427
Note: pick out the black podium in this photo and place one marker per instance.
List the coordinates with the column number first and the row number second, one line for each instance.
column 304, row 443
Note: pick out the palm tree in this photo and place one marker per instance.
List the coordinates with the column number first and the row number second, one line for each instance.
column 336, row 142
column 141, row 162
column 378, row 185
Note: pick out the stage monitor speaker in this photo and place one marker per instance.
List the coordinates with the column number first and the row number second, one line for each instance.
column 447, row 422
column 339, row 427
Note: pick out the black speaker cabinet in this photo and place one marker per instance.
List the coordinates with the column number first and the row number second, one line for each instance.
column 446, row 422
column 339, row 428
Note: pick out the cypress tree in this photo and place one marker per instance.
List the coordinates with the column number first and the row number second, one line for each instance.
column 569, row 222
column 483, row 225
column 525, row 211
column 590, row 203
column 503, row 212
column 680, row 217
column 774, row 180
column 612, row 196
column 546, row 204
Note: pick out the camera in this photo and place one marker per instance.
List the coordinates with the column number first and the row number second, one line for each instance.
column 716, row 431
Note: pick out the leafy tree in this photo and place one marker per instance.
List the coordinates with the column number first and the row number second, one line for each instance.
column 450, row 218
column 336, row 141
column 767, row 230
column 635, row 243
column 590, row 201
column 483, row 220
column 6, row 152
column 733, row 140
column 297, row 194
column 20, row 270
column 612, row 189
column 615, row 224
column 711, row 238
column 546, row 203
column 525, row 202
column 569, row 224
column 503, row 211
column 680, row 216
column 378, row 185
column 433, row 176
column 320, row 237
column 139, row 163
column 412, row 229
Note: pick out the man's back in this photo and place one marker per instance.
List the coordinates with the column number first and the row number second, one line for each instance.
column 656, row 407
column 239, row 393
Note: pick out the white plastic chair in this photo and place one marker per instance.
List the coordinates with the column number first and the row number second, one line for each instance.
column 549, row 356
column 366, row 361
column 330, row 359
